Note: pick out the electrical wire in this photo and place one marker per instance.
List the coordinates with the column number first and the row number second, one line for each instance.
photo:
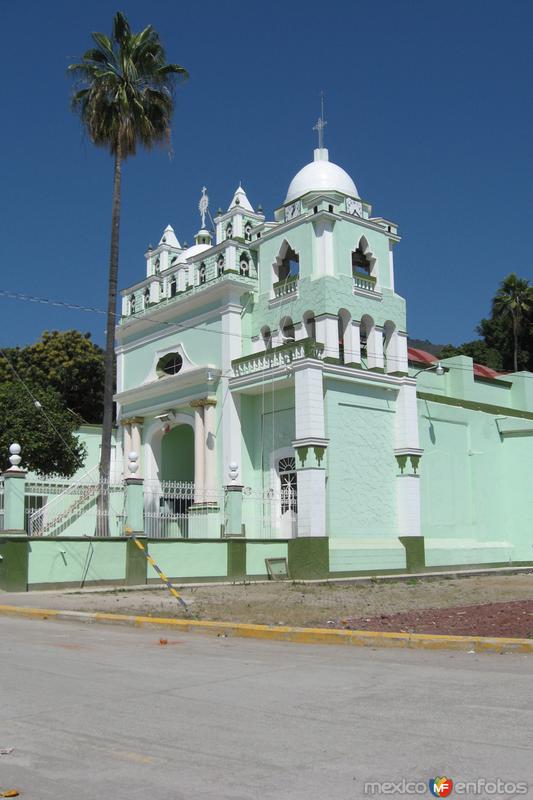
column 183, row 326
column 37, row 403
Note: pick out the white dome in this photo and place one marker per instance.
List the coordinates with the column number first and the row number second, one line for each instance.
column 195, row 250
column 321, row 175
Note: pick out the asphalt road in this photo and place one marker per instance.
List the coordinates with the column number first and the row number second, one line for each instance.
column 95, row 711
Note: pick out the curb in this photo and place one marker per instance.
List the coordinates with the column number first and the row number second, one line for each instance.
column 285, row 633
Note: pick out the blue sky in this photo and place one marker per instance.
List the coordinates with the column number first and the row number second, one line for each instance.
column 428, row 106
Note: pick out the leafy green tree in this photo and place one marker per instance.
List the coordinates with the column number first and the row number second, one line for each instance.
column 507, row 335
column 45, row 432
column 124, row 99
column 478, row 351
column 66, row 361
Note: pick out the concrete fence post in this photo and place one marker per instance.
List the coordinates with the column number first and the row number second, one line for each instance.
column 14, row 542
column 135, row 505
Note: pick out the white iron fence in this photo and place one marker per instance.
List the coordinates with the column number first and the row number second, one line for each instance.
column 87, row 507
column 91, row 507
column 2, row 505
column 176, row 509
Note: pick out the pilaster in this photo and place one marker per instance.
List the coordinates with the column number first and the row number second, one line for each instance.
column 199, row 451
column 327, row 332
column 310, row 446
column 408, row 455
column 14, row 493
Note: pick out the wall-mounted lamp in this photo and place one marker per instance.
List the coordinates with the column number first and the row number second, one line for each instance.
column 167, row 416
column 439, row 369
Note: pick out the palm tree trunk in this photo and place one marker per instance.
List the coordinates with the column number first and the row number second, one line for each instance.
column 109, row 355
column 515, row 337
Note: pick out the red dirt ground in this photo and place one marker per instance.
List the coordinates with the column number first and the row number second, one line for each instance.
column 513, row 619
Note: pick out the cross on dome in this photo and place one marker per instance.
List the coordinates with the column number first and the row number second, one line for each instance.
column 321, row 123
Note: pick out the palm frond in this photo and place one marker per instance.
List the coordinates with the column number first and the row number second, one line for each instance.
column 124, row 88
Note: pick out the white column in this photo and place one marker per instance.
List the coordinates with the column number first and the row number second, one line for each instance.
column 210, row 452
column 231, row 257
column 230, row 403
column 154, row 292
column 181, row 282
column 309, row 403
column 238, row 228
column 374, row 348
column 299, row 331
column 401, row 352
column 408, row 451
column 327, row 332
column 311, row 487
column 126, row 447
column 199, row 453
column 136, row 446
column 391, row 267
column 323, row 250
column 309, row 428
column 407, row 416
column 352, row 343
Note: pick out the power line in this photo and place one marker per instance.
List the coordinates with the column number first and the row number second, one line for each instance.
column 147, row 318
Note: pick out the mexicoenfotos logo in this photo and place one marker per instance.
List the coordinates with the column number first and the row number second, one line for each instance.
column 440, row 787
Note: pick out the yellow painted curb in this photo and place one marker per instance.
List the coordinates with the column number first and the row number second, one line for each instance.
column 286, row 633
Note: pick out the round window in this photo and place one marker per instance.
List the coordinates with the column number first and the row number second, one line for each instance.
column 171, row 364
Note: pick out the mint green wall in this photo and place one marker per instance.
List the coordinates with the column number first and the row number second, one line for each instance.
column 81, row 561
column 267, row 422
column 187, row 559
column 475, row 485
column 300, row 238
column 256, row 552
column 177, row 454
column 361, row 467
column 90, row 436
column 202, row 344
column 347, row 236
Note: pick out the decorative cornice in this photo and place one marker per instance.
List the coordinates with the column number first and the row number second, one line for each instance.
column 183, row 380
column 310, row 441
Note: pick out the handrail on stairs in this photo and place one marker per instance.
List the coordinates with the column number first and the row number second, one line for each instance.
column 34, row 516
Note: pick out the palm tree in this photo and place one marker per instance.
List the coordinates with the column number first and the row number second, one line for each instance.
column 124, row 96
column 514, row 298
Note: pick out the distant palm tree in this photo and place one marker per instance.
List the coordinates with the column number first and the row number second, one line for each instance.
column 514, row 298
column 124, row 98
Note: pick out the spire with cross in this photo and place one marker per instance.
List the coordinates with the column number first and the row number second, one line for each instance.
column 321, row 123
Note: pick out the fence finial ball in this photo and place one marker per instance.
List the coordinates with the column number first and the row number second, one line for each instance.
column 14, row 458
column 132, row 462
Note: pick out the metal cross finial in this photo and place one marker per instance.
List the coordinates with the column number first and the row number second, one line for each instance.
column 321, row 123
column 203, row 205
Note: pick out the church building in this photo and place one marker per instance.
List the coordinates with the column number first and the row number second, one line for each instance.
column 265, row 390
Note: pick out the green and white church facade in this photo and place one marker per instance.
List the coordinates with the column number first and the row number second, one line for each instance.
column 266, row 390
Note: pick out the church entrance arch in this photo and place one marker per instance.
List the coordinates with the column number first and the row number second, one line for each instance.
column 169, row 483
